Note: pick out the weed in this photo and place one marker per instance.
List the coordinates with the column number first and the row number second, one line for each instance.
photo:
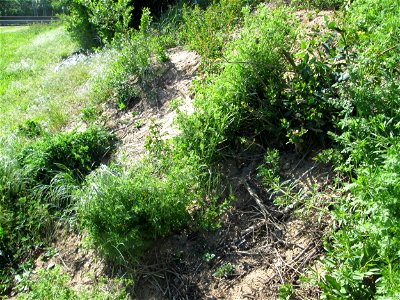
column 31, row 128
column 208, row 257
column 242, row 100
column 286, row 292
column 224, row 271
column 53, row 284
column 89, row 114
column 132, row 73
column 269, row 171
column 77, row 153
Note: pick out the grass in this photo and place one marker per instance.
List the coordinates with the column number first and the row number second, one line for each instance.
column 39, row 95
column 31, row 86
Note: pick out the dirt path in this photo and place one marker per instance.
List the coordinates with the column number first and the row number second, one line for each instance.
column 132, row 126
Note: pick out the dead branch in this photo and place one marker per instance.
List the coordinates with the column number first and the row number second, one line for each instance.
column 266, row 214
column 253, row 228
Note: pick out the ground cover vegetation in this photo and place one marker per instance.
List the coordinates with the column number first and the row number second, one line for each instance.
column 266, row 85
column 33, row 84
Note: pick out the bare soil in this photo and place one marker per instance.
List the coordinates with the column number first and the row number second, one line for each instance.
column 132, row 126
column 261, row 244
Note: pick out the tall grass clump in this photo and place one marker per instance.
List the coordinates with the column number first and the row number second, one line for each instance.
column 126, row 211
column 37, row 180
column 207, row 30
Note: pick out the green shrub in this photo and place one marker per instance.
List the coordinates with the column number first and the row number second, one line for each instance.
column 208, row 30
column 76, row 152
column 243, row 99
column 312, row 104
column 267, row 95
column 124, row 212
column 132, row 73
column 96, row 22
column 79, row 26
column 268, row 172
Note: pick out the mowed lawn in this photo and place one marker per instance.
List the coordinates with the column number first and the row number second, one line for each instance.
column 33, row 85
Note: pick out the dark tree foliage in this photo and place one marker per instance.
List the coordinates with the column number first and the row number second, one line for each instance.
column 96, row 22
column 156, row 8
column 29, row 8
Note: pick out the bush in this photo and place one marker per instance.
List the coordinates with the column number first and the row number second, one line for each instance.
column 79, row 152
column 244, row 100
column 79, row 26
column 132, row 73
column 125, row 211
column 264, row 94
column 96, row 22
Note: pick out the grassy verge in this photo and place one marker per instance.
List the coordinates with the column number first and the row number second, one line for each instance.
column 33, row 85
column 42, row 86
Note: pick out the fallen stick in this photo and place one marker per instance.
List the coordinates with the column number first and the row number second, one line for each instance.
column 253, row 228
column 266, row 214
